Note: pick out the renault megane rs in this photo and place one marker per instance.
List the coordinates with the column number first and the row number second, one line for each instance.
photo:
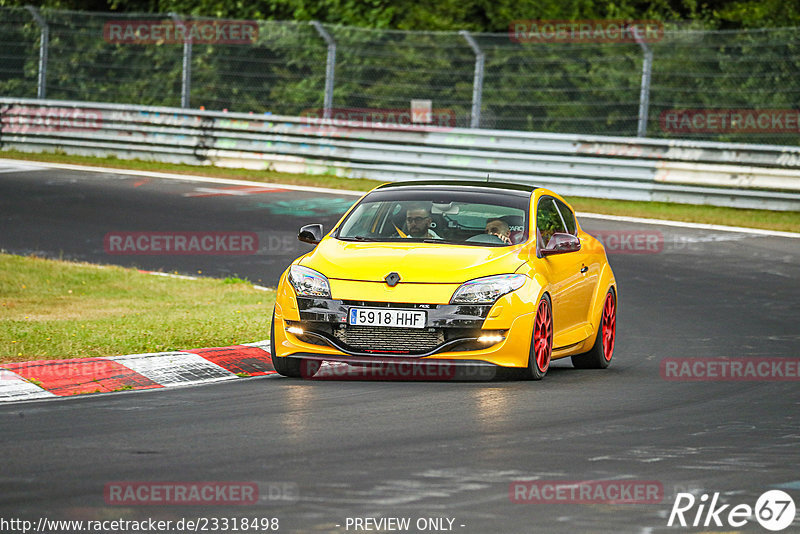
column 468, row 273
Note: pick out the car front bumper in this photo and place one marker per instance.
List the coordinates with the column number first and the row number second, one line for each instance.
column 318, row 329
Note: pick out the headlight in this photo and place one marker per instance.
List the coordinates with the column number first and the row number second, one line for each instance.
column 487, row 290
column 308, row 282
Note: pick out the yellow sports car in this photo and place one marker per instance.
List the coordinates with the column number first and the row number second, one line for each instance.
column 490, row 274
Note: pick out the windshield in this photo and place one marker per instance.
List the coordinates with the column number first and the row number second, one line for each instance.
column 459, row 217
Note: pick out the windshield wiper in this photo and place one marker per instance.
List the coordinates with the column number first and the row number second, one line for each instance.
column 358, row 238
column 443, row 241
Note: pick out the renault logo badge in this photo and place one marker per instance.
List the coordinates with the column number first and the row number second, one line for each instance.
column 392, row 279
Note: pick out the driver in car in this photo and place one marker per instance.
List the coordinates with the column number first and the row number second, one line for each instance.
column 418, row 223
column 500, row 229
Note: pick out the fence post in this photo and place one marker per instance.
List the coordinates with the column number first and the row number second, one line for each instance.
column 477, row 83
column 186, row 71
column 644, row 93
column 44, row 44
column 330, row 68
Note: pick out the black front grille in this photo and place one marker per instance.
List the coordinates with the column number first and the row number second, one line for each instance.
column 387, row 339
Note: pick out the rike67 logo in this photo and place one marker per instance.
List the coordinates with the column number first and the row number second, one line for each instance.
column 774, row 510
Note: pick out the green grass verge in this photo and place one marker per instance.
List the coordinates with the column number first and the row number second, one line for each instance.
column 53, row 309
column 769, row 220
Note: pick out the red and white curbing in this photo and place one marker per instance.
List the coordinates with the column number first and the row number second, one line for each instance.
column 20, row 381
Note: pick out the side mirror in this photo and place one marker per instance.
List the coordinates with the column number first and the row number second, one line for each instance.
column 310, row 233
column 561, row 244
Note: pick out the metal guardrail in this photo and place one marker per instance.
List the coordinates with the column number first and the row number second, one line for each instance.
column 722, row 174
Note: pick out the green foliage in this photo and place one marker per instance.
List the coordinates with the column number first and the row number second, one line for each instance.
column 547, row 220
column 590, row 88
column 475, row 15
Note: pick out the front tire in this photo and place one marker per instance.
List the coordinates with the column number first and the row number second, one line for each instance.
column 284, row 366
column 599, row 356
column 541, row 341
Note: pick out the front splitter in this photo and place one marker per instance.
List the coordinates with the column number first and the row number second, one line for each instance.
column 380, row 367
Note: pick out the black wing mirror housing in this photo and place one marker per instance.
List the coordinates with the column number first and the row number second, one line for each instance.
column 561, row 244
column 310, row 233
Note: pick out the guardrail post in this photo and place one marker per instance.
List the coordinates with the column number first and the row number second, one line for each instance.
column 186, row 71
column 477, row 83
column 330, row 67
column 44, row 45
column 644, row 93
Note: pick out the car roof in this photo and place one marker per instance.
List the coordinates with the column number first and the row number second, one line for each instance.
column 460, row 185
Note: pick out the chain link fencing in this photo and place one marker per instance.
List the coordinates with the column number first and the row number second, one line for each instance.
column 698, row 81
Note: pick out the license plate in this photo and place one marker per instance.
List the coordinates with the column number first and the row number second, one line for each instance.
column 387, row 317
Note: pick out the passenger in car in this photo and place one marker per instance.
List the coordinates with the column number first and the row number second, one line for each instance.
column 499, row 228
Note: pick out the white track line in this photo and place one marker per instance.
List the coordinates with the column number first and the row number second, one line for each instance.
column 186, row 277
column 19, row 168
column 682, row 224
column 182, row 177
column 194, row 178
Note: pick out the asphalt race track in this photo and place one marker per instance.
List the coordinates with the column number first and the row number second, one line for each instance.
column 68, row 214
column 321, row 452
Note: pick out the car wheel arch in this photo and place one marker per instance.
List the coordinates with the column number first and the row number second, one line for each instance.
column 605, row 282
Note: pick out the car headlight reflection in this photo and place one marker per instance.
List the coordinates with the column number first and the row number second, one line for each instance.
column 308, row 282
column 487, row 290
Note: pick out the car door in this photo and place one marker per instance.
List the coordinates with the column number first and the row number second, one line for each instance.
column 568, row 284
column 589, row 268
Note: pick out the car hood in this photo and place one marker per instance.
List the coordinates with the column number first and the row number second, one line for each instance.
column 414, row 262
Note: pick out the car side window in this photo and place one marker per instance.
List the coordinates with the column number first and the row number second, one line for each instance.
column 569, row 217
column 548, row 221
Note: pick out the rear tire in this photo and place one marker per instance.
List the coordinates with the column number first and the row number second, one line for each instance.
column 541, row 341
column 284, row 366
column 599, row 356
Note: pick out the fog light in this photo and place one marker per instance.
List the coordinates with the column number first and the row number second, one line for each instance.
column 490, row 339
column 296, row 330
